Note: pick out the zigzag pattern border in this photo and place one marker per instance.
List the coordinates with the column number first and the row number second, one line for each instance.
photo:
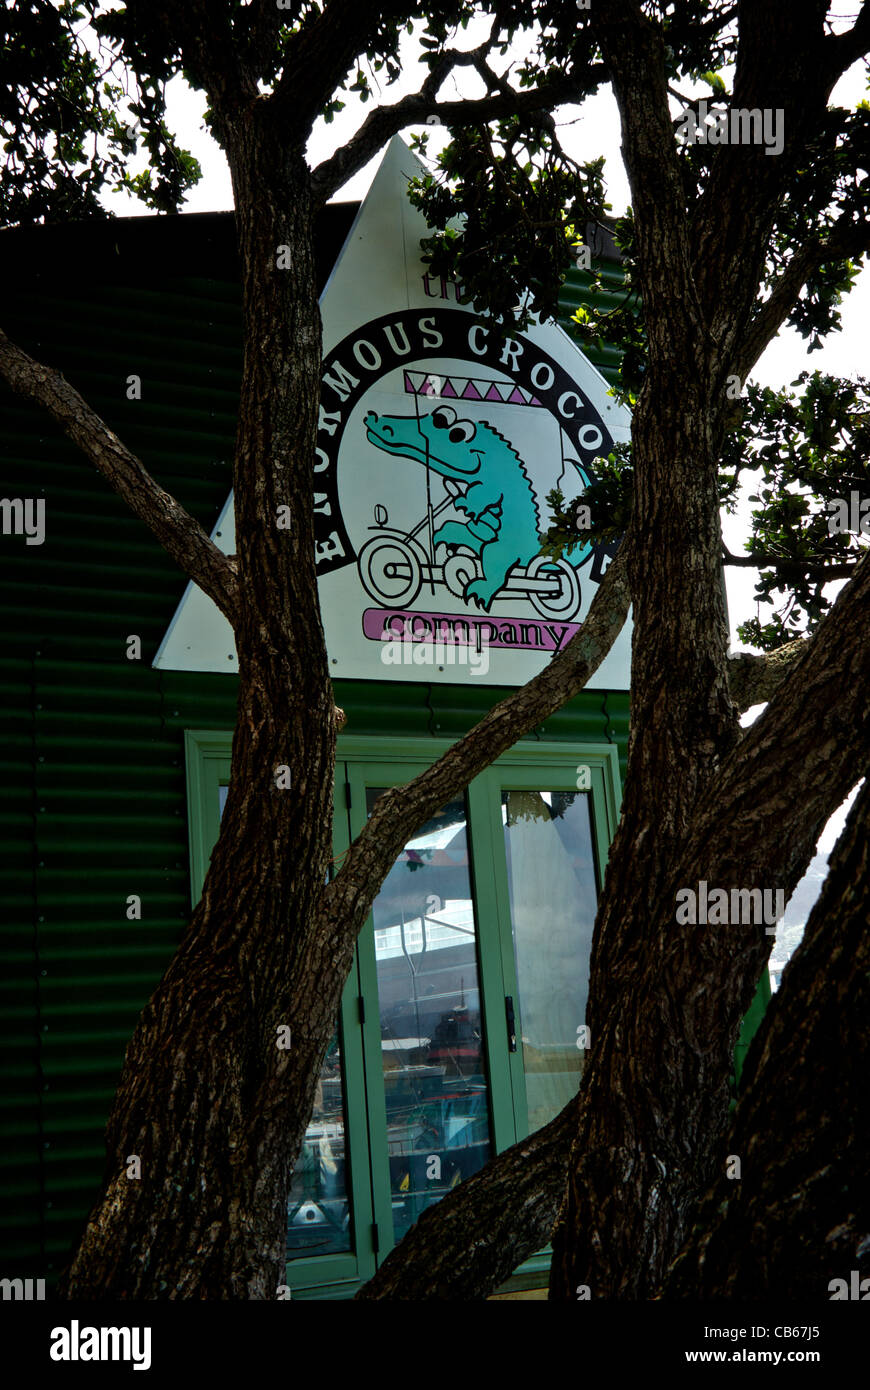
column 467, row 388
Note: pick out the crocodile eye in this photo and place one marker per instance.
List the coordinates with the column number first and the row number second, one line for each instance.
column 443, row 417
column 462, row 433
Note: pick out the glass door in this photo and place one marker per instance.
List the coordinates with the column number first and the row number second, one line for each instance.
column 474, row 968
column 548, row 840
column 552, row 893
column 426, row 1050
column 330, row 1249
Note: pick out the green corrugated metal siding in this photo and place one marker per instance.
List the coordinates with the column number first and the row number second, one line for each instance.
column 94, row 804
column 576, row 292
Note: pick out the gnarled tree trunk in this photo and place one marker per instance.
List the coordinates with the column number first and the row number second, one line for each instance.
column 214, row 1109
column 796, row 1215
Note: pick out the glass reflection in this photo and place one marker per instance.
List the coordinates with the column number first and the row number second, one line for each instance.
column 318, row 1209
column 553, row 895
column 431, row 1034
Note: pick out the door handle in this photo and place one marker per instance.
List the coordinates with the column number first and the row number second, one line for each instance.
column 510, row 1019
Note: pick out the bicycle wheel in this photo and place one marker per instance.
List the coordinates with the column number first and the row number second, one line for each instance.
column 459, row 570
column 390, row 571
column 564, row 601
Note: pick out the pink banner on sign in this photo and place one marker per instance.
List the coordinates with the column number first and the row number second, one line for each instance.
column 455, row 629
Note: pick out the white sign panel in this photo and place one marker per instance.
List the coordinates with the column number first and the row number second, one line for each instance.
column 437, row 446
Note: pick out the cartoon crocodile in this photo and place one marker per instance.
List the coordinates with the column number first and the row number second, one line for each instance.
column 498, row 499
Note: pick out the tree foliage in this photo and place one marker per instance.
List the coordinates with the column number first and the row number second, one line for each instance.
column 510, row 206
column 75, row 116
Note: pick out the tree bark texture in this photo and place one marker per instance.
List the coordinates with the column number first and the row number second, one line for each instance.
column 666, row 1000
column 208, row 1101
column 796, row 1216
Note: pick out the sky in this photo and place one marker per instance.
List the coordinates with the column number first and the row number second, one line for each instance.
column 586, row 133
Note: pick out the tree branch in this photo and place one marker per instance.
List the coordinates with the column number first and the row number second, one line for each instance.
column 802, row 753
column 753, row 679
column 385, row 121
column 840, row 51
column 633, row 49
column 799, row 759
column 815, row 569
column 729, row 265
column 345, row 901
column 653, row 1123
column 204, row 35
column 260, row 24
column 319, row 57
column 845, row 242
column 178, row 532
column 514, row 1200
column 771, row 315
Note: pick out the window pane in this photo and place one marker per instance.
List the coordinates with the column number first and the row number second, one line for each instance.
column 431, row 1035
column 551, row 877
column 318, row 1211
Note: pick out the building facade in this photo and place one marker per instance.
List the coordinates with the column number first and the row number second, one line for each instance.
column 462, row 1025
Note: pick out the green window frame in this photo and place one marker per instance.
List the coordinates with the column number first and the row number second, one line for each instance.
column 554, row 765
column 363, row 762
column 331, row 1276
